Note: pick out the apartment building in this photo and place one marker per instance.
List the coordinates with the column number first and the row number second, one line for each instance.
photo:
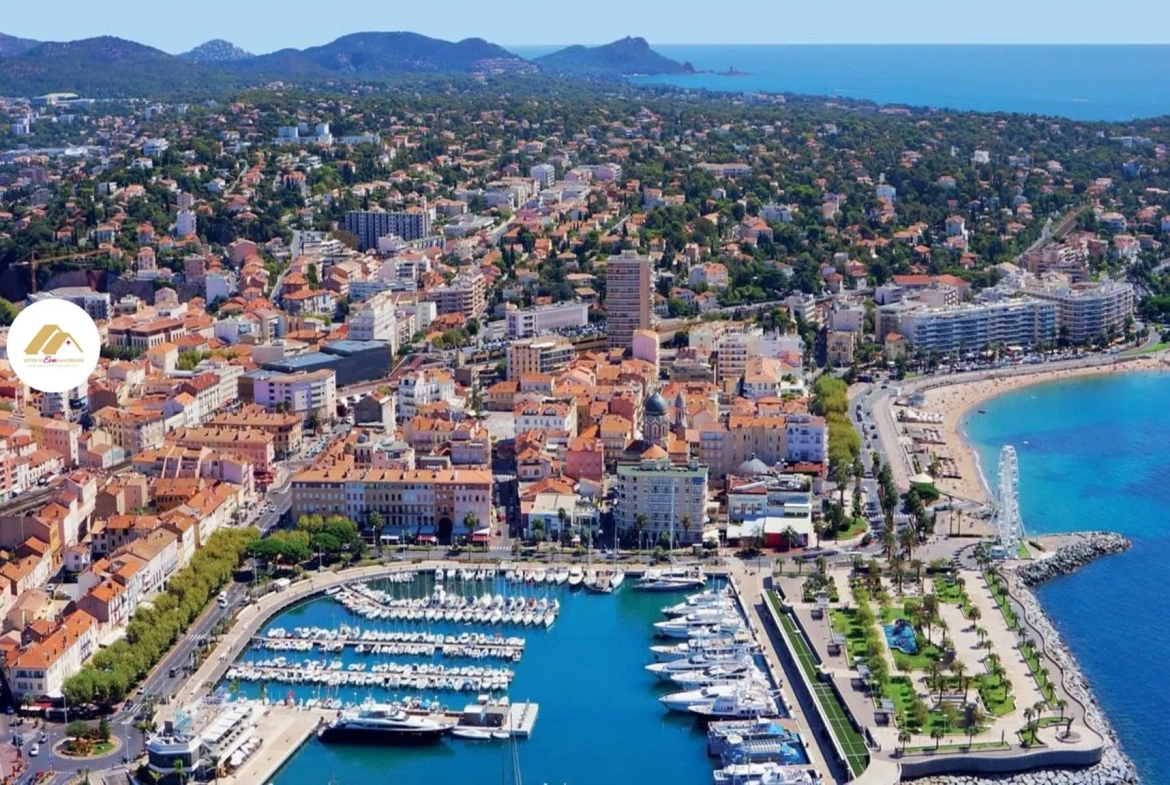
column 285, row 427
column 546, row 415
column 126, row 333
column 768, row 439
column 627, row 300
column 967, row 328
column 415, row 502
column 254, row 444
column 424, row 387
column 669, row 496
column 41, row 667
column 466, row 295
column 369, row 225
column 133, row 431
column 375, row 321
column 523, row 323
column 1088, row 311
column 547, row 355
column 309, row 394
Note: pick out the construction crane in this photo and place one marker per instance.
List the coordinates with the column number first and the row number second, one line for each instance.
column 33, row 261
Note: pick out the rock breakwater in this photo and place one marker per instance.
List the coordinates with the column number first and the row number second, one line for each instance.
column 1088, row 547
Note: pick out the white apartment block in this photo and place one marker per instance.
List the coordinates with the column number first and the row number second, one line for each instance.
column 306, row 394
column 665, row 494
column 375, row 321
column 422, row 388
column 534, row 321
column 969, row 328
column 1084, row 313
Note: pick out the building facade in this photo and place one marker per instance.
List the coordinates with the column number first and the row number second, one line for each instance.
column 627, row 299
column 671, row 497
column 533, row 321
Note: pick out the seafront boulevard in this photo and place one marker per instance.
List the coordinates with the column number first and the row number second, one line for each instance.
column 923, row 419
column 953, row 397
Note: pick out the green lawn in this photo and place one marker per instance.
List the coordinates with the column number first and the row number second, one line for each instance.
column 893, row 613
column 1023, row 552
column 856, row 528
column 998, row 701
column 846, row 621
column 852, row 742
column 926, row 654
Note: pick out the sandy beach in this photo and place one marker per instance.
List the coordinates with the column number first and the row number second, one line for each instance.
column 956, row 400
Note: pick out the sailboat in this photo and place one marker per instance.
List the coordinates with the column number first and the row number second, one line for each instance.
column 602, row 583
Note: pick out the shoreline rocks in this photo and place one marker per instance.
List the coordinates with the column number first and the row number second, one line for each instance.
column 1114, row 767
column 1088, row 547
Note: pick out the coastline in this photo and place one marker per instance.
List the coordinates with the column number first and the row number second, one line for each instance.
column 956, row 401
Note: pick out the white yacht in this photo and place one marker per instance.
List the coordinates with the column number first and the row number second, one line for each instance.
column 688, row 648
column 765, row 773
column 683, row 628
column 683, row 701
column 698, row 662
column 576, row 576
column 708, row 599
column 616, row 579
column 673, row 579
column 717, row 674
column 739, row 705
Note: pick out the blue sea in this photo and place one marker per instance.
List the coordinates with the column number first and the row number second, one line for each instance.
column 1113, row 83
column 599, row 719
column 1095, row 454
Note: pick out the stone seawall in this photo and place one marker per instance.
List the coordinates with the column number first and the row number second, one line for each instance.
column 1089, row 547
column 1114, row 768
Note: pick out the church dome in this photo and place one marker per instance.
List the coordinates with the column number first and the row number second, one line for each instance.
column 656, row 406
column 753, row 467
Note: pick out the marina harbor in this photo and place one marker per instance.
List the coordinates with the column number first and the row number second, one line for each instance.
column 387, row 674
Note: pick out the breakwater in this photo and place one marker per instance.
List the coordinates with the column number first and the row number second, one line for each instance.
column 1087, row 548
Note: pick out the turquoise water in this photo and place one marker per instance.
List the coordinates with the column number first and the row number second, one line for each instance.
column 599, row 721
column 1095, row 454
column 900, row 636
column 1081, row 82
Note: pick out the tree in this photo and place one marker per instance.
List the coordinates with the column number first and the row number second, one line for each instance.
column 937, row 733
column 377, row 524
column 904, row 737
column 470, row 523
column 919, row 714
column 475, row 400
column 975, row 721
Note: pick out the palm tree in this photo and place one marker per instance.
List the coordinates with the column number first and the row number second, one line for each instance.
column 904, row 737
column 640, row 522
column 960, row 671
column 145, row 727
column 214, row 765
column 470, row 522
column 685, row 522
column 975, row 719
column 889, row 541
column 907, row 539
column 377, row 524
column 561, row 517
column 1061, row 704
column 937, row 733
column 780, row 564
column 916, row 565
column 821, row 563
column 180, row 771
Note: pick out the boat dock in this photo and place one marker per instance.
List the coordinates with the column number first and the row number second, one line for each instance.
column 283, row 729
column 502, row 650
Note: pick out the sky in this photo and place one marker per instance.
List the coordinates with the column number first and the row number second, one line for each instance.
column 262, row 26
